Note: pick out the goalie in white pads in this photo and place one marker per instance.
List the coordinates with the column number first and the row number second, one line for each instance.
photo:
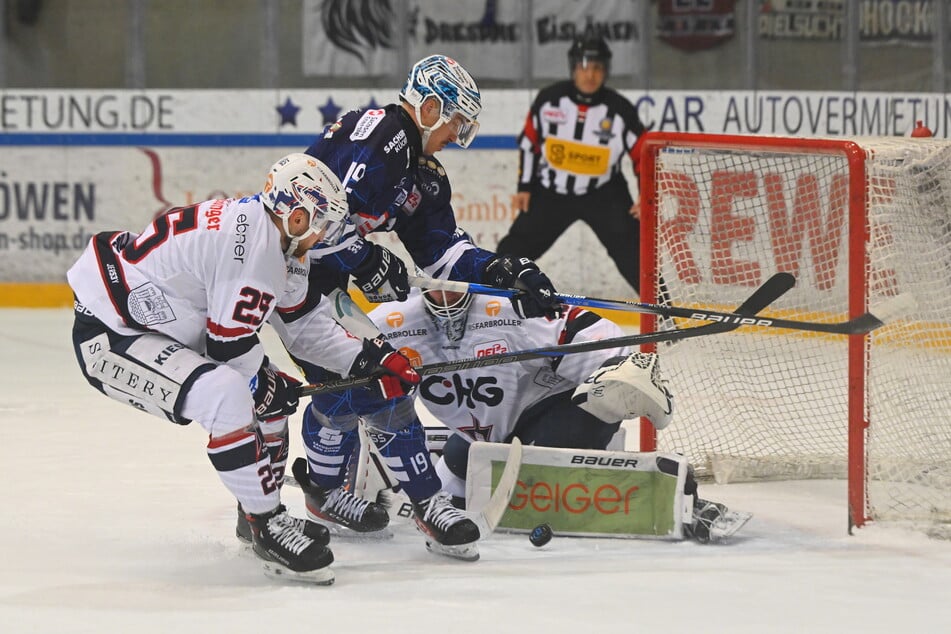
column 570, row 401
column 167, row 321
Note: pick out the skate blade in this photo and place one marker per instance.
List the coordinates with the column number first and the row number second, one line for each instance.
column 727, row 525
column 343, row 533
column 321, row 576
column 340, row 531
column 462, row 552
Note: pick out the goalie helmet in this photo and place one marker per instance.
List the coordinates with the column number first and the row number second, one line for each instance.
column 444, row 79
column 299, row 181
column 589, row 49
column 449, row 311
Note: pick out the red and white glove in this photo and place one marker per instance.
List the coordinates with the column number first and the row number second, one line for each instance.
column 398, row 379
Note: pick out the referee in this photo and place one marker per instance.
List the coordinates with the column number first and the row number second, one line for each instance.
column 570, row 152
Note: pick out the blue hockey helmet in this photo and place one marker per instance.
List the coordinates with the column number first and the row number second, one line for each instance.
column 444, row 79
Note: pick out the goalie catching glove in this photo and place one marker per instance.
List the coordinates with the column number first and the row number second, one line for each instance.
column 399, row 378
column 537, row 298
column 275, row 393
column 382, row 276
column 627, row 387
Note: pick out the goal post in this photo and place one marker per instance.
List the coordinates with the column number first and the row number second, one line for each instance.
column 857, row 221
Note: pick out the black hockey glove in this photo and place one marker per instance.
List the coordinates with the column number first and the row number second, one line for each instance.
column 382, row 277
column 537, row 298
column 275, row 393
column 399, row 378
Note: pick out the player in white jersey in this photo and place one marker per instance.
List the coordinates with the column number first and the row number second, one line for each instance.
column 530, row 399
column 167, row 321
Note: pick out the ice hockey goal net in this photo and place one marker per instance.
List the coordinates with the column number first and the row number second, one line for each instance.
column 856, row 221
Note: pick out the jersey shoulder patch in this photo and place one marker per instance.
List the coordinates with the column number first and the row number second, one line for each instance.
column 366, row 124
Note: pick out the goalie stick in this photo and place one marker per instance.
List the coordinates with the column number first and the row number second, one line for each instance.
column 860, row 325
column 762, row 297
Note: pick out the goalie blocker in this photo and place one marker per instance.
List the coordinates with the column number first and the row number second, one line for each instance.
column 591, row 493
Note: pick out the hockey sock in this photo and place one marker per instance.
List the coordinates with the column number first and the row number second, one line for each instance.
column 328, row 451
column 277, row 439
column 244, row 466
column 408, row 458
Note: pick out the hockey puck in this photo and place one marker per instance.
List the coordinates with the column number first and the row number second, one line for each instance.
column 540, row 535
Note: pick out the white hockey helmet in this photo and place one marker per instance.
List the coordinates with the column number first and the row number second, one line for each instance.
column 299, row 181
column 444, row 79
column 449, row 311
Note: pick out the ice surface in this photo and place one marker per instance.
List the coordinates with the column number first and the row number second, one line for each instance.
column 114, row 521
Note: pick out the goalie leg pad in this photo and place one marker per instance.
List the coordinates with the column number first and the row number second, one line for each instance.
column 627, row 389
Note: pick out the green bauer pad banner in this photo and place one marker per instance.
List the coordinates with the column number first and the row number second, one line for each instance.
column 585, row 492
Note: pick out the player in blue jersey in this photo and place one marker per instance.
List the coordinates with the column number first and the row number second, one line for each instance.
column 384, row 158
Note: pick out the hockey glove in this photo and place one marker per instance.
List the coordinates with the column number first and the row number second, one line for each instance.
column 627, row 387
column 382, row 276
column 275, row 393
column 398, row 379
column 537, row 298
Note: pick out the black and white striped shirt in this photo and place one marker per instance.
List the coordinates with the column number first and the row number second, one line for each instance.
column 575, row 148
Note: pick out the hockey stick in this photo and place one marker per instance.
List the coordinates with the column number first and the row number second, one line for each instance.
column 771, row 290
column 491, row 514
column 862, row 324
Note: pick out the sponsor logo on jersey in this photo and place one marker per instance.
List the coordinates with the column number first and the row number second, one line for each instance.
column 412, row 200
column 492, row 347
column 395, row 320
column 494, row 323
column 493, row 308
column 213, row 214
column 460, row 390
column 366, row 124
column 553, row 115
column 240, row 237
column 577, row 158
column 410, row 332
column 397, row 143
column 333, row 128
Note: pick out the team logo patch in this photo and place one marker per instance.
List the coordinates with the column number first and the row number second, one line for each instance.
column 149, row 306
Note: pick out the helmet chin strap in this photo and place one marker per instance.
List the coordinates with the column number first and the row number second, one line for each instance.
column 426, row 130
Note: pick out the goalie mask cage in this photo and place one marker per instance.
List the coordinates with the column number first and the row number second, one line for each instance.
column 857, row 222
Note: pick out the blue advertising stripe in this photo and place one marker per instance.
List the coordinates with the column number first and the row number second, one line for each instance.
column 484, row 142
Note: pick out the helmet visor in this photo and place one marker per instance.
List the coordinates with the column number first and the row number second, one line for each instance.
column 464, row 129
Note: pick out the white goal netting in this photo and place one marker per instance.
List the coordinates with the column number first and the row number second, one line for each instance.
column 768, row 403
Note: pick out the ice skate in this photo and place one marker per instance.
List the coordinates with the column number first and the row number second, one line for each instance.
column 339, row 505
column 447, row 529
column 317, row 532
column 714, row 522
column 287, row 552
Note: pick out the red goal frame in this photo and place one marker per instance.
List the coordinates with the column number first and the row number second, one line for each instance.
column 859, row 236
